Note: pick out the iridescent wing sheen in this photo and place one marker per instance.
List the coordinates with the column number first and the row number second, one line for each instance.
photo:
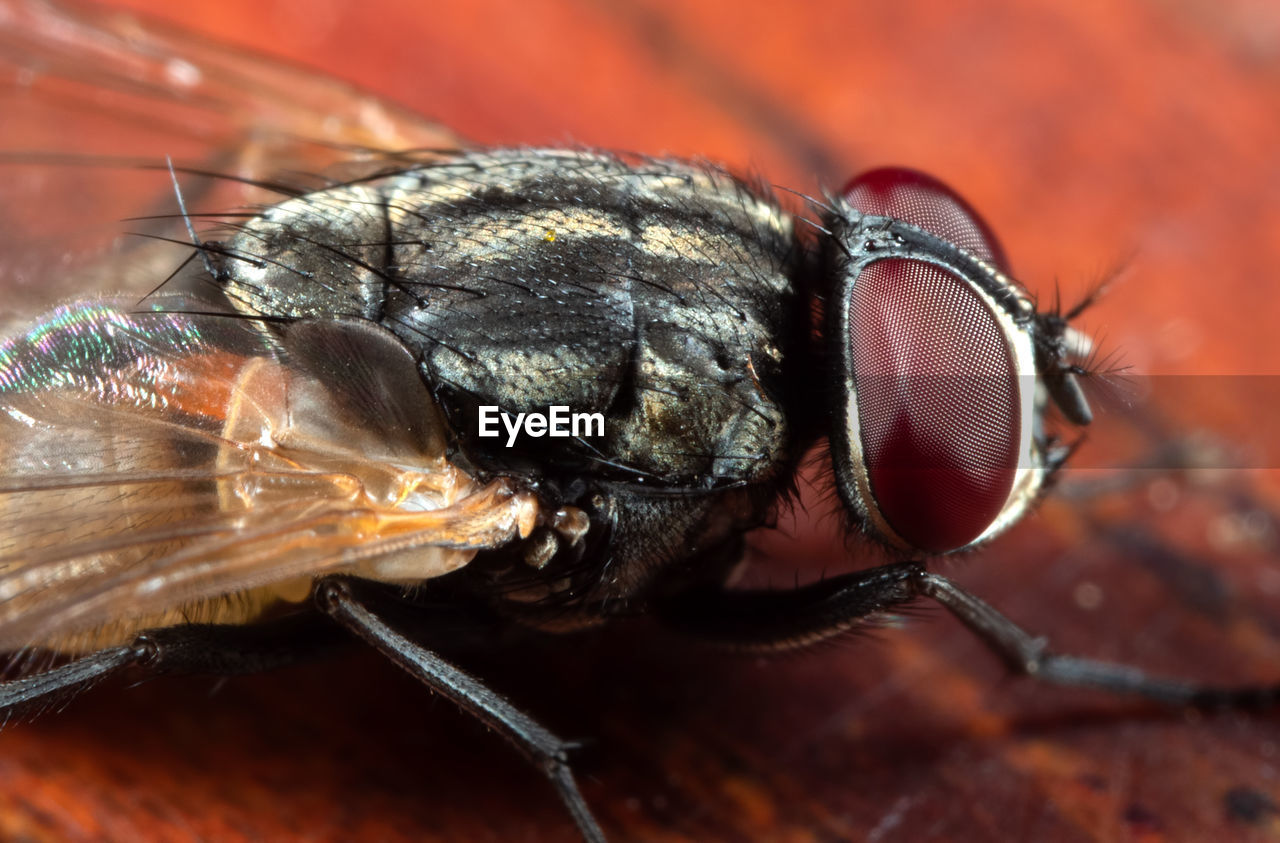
column 161, row 466
column 93, row 100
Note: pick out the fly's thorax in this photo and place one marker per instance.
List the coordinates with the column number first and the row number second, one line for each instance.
column 654, row 293
column 657, row 293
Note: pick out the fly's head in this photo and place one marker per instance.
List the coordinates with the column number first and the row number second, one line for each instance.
column 942, row 369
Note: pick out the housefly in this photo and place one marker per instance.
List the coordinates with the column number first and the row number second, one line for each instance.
column 359, row 399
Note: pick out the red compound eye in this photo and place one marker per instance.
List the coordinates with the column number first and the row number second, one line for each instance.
column 938, row 404
column 923, row 201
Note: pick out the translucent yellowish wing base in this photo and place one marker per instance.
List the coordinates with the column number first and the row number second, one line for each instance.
column 162, row 466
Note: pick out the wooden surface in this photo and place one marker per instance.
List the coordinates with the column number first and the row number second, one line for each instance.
column 1091, row 135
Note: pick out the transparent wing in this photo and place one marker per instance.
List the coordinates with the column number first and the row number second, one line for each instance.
column 160, row 465
column 92, row 100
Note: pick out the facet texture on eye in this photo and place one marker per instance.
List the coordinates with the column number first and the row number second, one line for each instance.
column 937, row 403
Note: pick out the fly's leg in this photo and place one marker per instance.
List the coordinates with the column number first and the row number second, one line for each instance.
column 777, row 620
column 189, row 648
column 1030, row 656
column 772, row 620
column 546, row 751
column 65, row 681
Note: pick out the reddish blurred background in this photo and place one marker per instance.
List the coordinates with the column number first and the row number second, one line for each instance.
column 1091, row 135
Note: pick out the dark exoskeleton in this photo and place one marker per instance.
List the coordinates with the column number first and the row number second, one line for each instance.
column 677, row 302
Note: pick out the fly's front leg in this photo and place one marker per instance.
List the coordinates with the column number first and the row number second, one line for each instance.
column 1030, row 656
column 547, row 752
column 775, row 620
column 783, row 620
